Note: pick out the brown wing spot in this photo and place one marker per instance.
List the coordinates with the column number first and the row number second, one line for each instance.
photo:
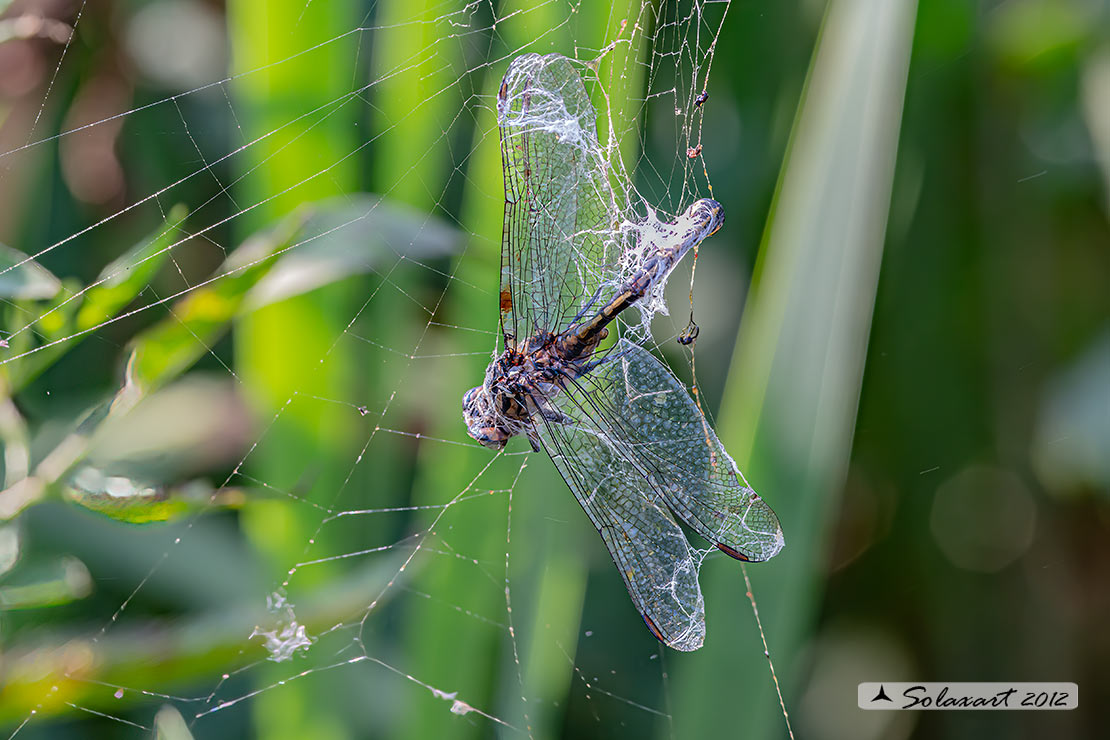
column 503, row 93
column 506, row 301
column 732, row 553
column 654, row 630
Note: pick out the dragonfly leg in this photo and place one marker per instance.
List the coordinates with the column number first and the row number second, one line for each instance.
column 533, row 438
column 541, row 405
column 589, row 367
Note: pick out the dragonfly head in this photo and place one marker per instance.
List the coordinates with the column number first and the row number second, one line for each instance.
column 708, row 214
column 481, row 421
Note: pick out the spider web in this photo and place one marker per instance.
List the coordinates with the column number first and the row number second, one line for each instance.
column 394, row 552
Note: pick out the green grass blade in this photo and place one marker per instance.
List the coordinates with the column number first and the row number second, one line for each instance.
column 416, row 107
column 791, row 399
column 297, row 65
column 170, row 725
column 547, row 566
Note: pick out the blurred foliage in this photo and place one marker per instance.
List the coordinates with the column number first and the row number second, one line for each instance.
column 248, row 260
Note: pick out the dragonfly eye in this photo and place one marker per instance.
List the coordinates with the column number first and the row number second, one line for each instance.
column 474, row 410
column 470, row 399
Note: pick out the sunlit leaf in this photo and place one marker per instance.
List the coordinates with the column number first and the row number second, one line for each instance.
column 21, row 278
column 351, row 236
column 186, row 649
column 45, row 323
column 184, row 429
column 117, row 285
column 198, row 320
column 128, row 500
column 123, row 279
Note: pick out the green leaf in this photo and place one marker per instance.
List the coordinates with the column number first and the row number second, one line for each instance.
column 187, row 428
column 138, row 450
column 349, row 236
column 121, row 280
column 11, row 546
column 186, row 648
column 171, row 346
column 53, row 321
column 1042, row 33
column 54, row 583
column 320, row 244
column 66, row 316
column 21, row 278
column 131, row 501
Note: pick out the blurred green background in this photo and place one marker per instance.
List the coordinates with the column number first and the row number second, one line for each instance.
column 265, row 241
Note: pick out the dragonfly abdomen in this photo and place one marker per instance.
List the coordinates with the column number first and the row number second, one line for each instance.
column 701, row 220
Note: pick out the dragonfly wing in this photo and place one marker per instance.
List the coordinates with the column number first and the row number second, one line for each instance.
column 559, row 231
column 659, row 568
column 636, row 399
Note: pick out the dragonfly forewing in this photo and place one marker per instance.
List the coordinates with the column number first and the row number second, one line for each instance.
column 559, row 236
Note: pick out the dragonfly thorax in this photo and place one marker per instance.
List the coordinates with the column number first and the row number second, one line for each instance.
column 516, row 386
column 494, row 411
column 483, row 422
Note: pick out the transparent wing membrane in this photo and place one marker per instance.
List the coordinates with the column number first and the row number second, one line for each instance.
column 649, row 416
column 658, row 566
column 559, row 208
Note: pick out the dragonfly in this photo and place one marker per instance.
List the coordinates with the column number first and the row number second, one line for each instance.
column 633, row 447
